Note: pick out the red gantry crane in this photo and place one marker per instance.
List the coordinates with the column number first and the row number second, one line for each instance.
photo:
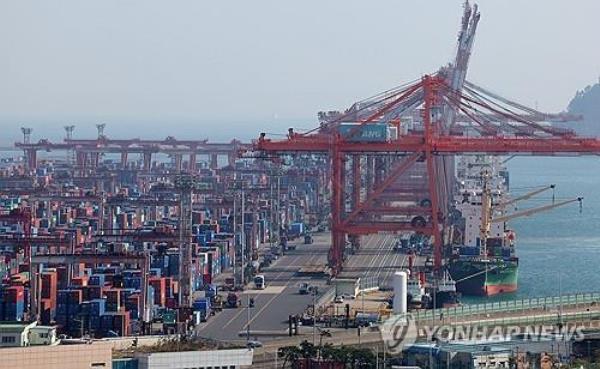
column 391, row 156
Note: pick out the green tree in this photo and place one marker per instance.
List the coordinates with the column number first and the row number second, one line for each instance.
column 361, row 358
column 289, row 354
column 308, row 350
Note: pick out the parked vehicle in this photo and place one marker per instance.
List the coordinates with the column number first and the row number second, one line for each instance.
column 254, row 344
column 203, row 306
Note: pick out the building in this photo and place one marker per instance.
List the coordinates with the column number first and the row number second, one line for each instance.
column 489, row 355
column 96, row 355
column 26, row 334
column 221, row 359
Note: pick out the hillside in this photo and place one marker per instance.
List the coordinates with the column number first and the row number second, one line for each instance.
column 587, row 102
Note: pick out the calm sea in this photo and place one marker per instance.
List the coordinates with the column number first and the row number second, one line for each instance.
column 560, row 247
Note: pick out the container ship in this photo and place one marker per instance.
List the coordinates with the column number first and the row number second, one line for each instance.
column 484, row 262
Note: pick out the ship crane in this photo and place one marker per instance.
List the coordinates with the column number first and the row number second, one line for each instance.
column 487, row 209
column 529, row 195
column 528, row 212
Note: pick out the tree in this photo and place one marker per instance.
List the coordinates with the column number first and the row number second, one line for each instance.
column 308, row 350
column 289, row 354
column 361, row 358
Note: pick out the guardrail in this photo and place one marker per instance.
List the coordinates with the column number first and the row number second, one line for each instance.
column 368, row 283
column 538, row 319
column 542, row 303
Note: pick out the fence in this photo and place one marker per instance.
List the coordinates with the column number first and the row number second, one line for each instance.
column 368, row 283
column 513, row 306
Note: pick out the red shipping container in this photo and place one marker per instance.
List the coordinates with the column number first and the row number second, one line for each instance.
column 47, row 308
column 49, row 285
column 14, row 294
column 121, row 323
column 175, row 287
column 135, row 301
column 171, row 303
column 168, row 286
column 159, row 291
column 79, row 281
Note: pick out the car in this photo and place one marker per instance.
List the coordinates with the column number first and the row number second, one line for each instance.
column 339, row 299
column 254, row 344
column 304, row 289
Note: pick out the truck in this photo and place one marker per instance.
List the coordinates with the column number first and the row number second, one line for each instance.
column 211, row 290
column 229, row 283
column 295, row 230
column 259, row 282
column 217, row 303
column 203, row 306
column 366, row 319
column 233, row 300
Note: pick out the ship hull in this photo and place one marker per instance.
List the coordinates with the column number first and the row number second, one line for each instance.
column 480, row 278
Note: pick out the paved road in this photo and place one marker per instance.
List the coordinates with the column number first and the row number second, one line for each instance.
column 376, row 258
column 277, row 301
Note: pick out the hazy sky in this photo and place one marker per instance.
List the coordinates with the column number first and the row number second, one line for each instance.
column 220, row 69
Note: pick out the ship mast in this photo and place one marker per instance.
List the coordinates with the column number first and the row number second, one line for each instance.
column 486, row 212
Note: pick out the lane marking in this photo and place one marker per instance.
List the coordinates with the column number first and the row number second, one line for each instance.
column 255, row 316
column 267, row 291
column 243, row 310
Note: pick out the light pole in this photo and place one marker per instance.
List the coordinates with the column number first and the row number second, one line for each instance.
column 235, row 243
column 272, row 220
column 248, row 320
column 315, row 292
column 243, row 232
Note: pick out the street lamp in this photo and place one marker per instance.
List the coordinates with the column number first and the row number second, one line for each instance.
column 315, row 292
column 322, row 333
column 250, row 305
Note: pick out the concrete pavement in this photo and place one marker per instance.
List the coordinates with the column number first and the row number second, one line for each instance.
column 277, row 301
column 376, row 258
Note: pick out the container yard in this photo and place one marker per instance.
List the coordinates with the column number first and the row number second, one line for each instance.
column 388, row 231
column 96, row 248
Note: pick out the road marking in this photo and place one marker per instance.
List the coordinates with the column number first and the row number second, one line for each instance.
column 242, row 310
column 255, row 316
column 267, row 291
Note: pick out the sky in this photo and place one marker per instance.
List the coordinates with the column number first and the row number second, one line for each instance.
column 224, row 69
